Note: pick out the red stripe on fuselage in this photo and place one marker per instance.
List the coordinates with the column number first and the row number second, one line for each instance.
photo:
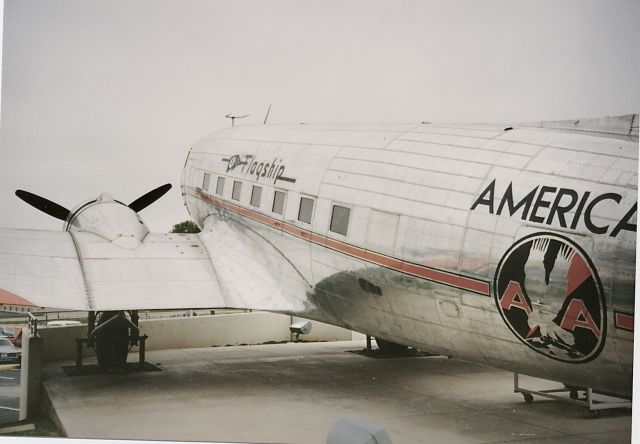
column 624, row 321
column 422, row 271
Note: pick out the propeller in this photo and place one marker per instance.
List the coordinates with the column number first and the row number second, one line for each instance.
column 44, row 205
column 147, row 199
column 60, row 212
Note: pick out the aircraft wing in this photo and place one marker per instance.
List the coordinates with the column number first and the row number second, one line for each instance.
column 222, row 267
column 83, row 271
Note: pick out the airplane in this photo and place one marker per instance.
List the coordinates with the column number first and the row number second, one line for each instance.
column 509, row 245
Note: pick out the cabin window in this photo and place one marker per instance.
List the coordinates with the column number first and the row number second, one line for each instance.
column 220, row 186
column 237, row 187
column 306, row 210
column 278, row 202
column 256, row 194
column 205, row 181
column 340, row 219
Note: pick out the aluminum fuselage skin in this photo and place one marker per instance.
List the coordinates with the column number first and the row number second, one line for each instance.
column 433, row 229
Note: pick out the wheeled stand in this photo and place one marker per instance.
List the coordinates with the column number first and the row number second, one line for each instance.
column 587, row 400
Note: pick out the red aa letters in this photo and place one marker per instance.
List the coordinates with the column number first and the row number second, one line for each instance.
column 514, row 297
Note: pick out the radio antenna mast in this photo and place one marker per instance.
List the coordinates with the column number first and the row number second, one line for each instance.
column 267, row 116
column 233, row 118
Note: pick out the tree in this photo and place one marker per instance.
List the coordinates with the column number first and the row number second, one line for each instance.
column 187, row 226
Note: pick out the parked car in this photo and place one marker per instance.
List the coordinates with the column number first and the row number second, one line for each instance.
column 7, row 332
column 12, row 333
column 9, row 353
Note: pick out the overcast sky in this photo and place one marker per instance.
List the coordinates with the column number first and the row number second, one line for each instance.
column 109, row 95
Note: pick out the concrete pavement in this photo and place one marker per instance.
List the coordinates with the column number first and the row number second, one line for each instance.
column 9, row 393
column 295, row 392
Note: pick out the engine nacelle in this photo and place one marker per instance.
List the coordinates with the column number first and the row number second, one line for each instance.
column 109, row 219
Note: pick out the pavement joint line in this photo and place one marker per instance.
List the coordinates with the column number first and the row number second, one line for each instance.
column 445, row 398
column 502, row 411
column 531, row 422
column 546, row 438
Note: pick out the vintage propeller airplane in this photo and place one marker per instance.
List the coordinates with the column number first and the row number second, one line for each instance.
column 512, row 246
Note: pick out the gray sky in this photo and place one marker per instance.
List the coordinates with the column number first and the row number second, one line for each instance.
column 109, row 95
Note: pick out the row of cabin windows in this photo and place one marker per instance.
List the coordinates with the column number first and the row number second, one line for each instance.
column 339, row 214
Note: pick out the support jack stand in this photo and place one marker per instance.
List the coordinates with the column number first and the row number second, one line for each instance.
column 587, row 400
column 80, row 369
column 141, row 351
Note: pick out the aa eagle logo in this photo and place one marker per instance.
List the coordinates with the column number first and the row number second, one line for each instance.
column 549, row 294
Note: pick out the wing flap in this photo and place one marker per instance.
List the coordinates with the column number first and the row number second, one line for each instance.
column 166, row 271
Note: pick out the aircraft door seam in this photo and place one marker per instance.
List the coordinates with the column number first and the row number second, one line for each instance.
column 482, row 185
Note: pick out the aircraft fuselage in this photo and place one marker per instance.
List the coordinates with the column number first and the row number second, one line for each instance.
column 515, row 249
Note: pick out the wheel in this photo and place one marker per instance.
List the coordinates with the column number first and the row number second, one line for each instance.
column 112, row 341
column 391, row 348
column 528, row 398
column 573, row 394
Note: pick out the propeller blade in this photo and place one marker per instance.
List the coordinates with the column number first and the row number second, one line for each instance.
column 44, row 205
column 145, row 200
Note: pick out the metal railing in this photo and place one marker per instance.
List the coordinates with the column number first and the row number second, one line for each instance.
column 25, row 314
column 33, row 324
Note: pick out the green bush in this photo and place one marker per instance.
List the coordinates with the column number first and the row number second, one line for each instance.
column 187, row 226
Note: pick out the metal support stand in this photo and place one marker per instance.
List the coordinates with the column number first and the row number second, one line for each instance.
column 587, row 400
column 368, row 344
column 141, row 351
column 79, row 342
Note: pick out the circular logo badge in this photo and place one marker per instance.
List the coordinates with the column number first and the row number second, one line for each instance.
column 549, row 294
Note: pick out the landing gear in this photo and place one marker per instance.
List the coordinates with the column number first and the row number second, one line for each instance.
column 112, row 334
column 391, row 348
column 527, row 398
